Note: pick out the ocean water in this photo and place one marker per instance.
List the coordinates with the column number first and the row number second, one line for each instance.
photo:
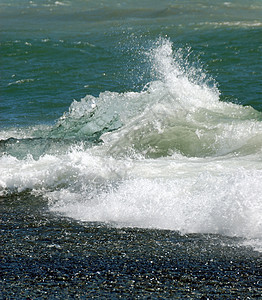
column 131, row 149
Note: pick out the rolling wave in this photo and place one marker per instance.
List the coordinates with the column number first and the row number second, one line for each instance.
column 172, row 156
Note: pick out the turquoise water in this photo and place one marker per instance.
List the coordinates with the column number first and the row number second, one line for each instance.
column 131, row 144
column 56, row 51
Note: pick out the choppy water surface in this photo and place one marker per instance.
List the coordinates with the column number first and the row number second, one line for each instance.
column 148, row 184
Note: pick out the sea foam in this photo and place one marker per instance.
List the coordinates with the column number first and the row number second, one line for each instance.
column 172, row 156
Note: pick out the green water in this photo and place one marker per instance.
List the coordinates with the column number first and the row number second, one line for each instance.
column 130, row 149
column 53, row 52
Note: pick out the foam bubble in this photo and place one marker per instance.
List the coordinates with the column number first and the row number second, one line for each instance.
column 211, row 203
column 172, row 156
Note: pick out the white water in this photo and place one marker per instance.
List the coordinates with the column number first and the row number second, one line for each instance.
column 177, row 158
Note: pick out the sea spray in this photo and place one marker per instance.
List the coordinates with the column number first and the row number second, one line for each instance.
column 188, row 161
column 201, row 203
column 172, row 156
column 182, row 114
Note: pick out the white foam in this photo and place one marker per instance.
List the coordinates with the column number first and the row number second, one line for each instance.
column 237, row 24
column 224, row 201
column 178, row 158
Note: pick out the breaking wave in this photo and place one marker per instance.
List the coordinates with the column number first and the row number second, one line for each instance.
column 172, row 156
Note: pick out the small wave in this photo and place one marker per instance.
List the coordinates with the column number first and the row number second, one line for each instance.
column 57, row 3
column 238, row 24
column 21, row 81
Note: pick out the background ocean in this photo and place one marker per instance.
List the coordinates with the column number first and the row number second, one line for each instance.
column 131, row 149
